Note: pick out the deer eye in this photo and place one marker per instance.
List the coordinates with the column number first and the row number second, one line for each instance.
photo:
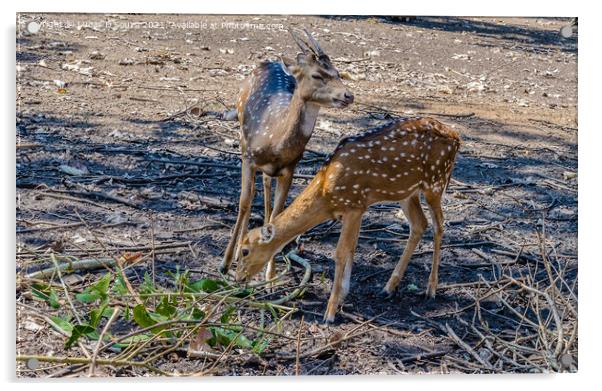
column 245, row 252
column 317, row 77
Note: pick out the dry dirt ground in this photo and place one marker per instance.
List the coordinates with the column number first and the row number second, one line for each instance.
column 103, row 140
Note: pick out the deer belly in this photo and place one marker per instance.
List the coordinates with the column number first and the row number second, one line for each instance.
column 270, row 169
column 352, row 191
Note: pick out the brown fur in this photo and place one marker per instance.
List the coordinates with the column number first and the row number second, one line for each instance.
column 273, row 138
column 395, row 162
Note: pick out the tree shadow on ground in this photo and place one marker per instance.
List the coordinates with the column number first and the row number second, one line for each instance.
column 371, row 271
column 505, row 35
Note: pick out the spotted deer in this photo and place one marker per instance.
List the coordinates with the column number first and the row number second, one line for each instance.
column 277, row 109
column 395, row 162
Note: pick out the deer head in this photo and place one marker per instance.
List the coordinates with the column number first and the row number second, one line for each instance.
column 318, row 81
column 257, row 247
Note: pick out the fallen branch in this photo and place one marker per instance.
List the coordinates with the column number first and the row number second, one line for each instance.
column 454, row 337
column 97, row 195
column 75, row 199
column 73, row 266
column 423, row 356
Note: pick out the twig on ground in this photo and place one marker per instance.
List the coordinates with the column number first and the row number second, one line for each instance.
column 67, row 295
column 100, row 339
column 454, row 337
column 297, row 362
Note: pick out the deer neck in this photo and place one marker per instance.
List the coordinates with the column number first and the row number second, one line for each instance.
column 307, row 210
column 300, row 119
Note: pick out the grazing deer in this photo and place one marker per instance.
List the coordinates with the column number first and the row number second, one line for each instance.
column 277, row 108
column 395, row 162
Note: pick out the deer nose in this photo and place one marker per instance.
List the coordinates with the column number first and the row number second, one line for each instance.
column 348, row 97
column 241, row 276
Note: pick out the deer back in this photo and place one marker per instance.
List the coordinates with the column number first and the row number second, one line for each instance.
column 264, row 98
column 390, row 163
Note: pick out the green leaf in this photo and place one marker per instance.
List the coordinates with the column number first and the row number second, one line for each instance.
column 141, row 316
column 94, row 335
column 179, row 279
column 102, row 285
column 147, row 285
column 243, row 342
column 197, row 314
column 77, row 332
column 166, row 309
column 96, row 291
column 260, row 345
column 46, row 293
column 157, row 317
column 63, row 324
column 97, row 314
column 204, row 285
column 244, row 293
column 87, row 297
column 227, row 314
column 119, row 286
column 225, row 337
column 107, row 312
column 146, row 319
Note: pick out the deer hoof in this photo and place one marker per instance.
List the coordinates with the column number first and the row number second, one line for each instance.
column 386, row 295
column 328, row 319
column 430, row 292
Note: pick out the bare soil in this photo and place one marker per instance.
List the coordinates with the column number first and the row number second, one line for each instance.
column 101, row 142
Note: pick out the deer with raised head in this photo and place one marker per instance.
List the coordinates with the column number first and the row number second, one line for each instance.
column 277, row 109
column 395, row 162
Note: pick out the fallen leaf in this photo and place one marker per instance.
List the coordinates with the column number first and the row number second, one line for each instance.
column 75, row 171
column 32, row 326
column 199, row 342
column 569, row 175
column 77, row 238
column 126, row 61
column 336, row 338
column 475, row 86
column 130, row 258
column 95, row 55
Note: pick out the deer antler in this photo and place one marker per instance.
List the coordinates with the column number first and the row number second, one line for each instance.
column 301, row 43
column 317, row 49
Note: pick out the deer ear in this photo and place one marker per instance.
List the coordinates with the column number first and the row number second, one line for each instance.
column 305, row 59
column 288, row 65
column 267, row 233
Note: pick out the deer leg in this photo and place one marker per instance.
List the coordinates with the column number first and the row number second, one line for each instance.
column 434, row 202
column 413, row 211
column 343, row 261
column 267, row 197
column 247, row 192
column 283, row 185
